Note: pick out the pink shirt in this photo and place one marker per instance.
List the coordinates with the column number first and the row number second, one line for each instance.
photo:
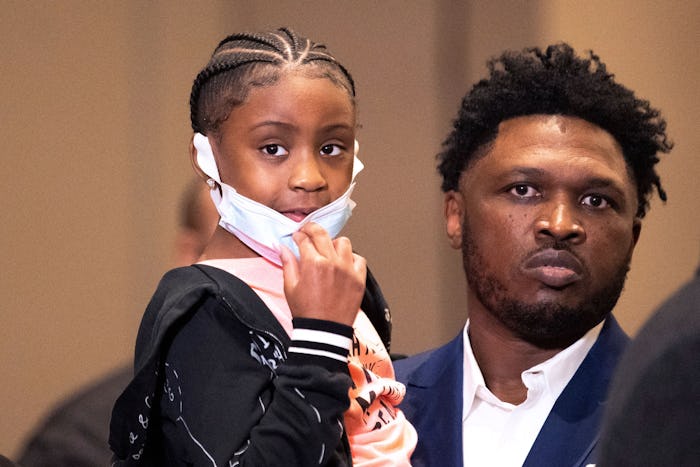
column 265, row 279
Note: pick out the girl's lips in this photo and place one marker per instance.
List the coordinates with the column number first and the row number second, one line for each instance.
column 297, row 215
column 554, row 268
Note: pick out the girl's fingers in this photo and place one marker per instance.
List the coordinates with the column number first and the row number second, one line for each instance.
column 327, row 281
column 320, row 239
column 360, row 266
column 304, row 243
column 343, row 248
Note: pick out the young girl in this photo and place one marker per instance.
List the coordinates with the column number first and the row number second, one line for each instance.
column 257, row 355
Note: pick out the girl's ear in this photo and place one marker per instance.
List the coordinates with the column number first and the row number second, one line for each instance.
column 454, row 215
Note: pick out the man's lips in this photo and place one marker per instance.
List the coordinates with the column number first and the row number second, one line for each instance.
column 554, row 268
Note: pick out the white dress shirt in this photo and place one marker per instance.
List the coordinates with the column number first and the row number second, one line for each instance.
column 499, row 434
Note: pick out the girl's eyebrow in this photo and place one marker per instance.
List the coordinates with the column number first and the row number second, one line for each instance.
column 290, row 126
column 338, row 126
column 266, row 123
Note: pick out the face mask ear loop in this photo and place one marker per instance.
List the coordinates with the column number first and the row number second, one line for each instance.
column 213, row 184
column 357, row 165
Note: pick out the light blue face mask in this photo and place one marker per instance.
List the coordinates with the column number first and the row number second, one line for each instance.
column 262, row 228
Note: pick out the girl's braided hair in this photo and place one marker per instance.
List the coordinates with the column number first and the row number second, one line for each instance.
column 246, row 60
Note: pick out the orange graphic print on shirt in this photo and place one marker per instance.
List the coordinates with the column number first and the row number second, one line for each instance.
column 378, row 432
column 375, row 392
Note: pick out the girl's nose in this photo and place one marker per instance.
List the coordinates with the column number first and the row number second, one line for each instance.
column 306, row 173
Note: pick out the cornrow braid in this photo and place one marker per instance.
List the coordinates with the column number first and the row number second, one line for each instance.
column 244, row 60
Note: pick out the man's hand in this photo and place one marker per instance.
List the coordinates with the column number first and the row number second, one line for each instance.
column 328, row 280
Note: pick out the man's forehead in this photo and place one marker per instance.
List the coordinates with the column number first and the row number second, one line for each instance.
column 554, row 129
column 533, row 134
column 548, row 141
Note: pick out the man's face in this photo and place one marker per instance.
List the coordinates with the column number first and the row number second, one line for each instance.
column 546, row 223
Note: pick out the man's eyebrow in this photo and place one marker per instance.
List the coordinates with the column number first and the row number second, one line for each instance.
column 606, row 183
column 527, row 171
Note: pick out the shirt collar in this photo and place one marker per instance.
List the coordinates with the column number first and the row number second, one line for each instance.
column 473, row 380
column 557, row 371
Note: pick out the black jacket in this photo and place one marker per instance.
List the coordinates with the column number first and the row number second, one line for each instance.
column 214, row 384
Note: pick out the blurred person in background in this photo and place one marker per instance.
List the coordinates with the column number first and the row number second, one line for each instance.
column 75, row 432
column 651, row 417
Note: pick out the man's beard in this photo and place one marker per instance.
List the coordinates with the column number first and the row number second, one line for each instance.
column 548, row 325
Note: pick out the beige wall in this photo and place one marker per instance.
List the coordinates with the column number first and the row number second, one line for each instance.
column 95, row 129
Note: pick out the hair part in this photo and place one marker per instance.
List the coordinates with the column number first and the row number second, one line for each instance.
column 245, row 61
column 556, row 82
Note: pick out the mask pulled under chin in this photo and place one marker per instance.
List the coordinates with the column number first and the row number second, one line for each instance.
column 261, row 228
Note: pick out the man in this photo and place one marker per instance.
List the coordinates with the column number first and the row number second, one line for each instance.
column 547, row 175
column 75, row 433
column 651, row 417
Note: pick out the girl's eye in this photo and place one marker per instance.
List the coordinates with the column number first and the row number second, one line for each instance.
column 274, row 150
column 331, row 150
column 595, row 201
column 524, row 191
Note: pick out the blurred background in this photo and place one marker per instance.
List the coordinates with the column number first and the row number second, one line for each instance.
column 95, row 126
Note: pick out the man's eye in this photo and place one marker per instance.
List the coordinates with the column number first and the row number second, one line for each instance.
column 595, row 201
column 331, row 150
column 524, row 191
column 274, row 150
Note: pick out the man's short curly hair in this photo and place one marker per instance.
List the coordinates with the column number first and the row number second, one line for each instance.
column 556, row 82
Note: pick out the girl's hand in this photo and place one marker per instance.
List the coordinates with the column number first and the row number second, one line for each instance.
column 328, row 280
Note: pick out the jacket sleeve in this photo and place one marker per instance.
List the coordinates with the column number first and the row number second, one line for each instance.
column 233, row 395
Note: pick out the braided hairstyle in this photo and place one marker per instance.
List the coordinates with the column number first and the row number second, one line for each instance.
column 243, row 61
column 556, row 82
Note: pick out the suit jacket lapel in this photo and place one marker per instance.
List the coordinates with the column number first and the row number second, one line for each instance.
column 434, row 406
column 570, row 432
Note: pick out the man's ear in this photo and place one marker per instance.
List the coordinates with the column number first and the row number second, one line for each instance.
column 636, row 230
column 454, row 214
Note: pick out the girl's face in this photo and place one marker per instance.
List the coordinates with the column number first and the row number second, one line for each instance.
column 290, row 145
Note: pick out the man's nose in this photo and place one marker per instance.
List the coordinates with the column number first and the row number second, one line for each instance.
column 559, row 220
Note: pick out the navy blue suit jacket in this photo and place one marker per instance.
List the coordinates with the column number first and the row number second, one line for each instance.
column 433, row 404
